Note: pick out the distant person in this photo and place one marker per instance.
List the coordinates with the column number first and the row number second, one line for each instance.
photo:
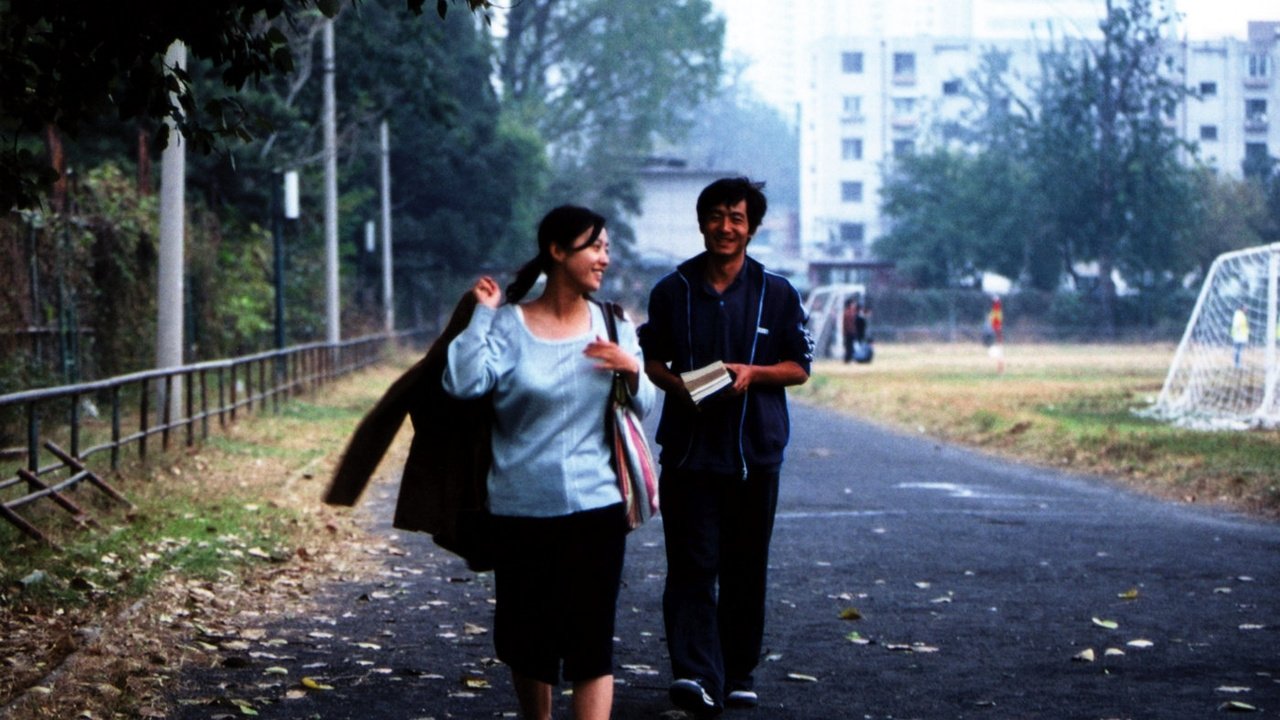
column 862, row 348
column 850, row 318
column 1239, row 332
column 995, row 322
column 558, row 518
column 721, row 459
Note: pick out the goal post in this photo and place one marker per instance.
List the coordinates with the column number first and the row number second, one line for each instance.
column 1224, row 373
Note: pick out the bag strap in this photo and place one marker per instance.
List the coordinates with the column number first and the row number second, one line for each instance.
column 609, row 309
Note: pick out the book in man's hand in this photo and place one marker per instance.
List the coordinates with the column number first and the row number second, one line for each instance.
column 707, row 380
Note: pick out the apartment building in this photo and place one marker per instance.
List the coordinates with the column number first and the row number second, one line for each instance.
column 871, row 100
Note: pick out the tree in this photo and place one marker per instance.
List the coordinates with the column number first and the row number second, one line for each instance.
column 1102, row 148
column 64, row 63
column 599, row 80
column 762, row 144
column 954, row 214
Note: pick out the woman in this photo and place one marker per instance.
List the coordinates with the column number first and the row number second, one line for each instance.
column 558, row 514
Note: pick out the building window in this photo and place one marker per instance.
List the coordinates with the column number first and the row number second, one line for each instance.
column 1208, row 89
column 850, row 192
column 903, row 106
column 1259, row 65
column 1255, row 109
column 851, row 149
column 1255, row 152
column 851, row 107
column 1208, row 132
column 951, row 87
column 904, row 68
column 902, row 148
column 852, row 233
column 851, row 63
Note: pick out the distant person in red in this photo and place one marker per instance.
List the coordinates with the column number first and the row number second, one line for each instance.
column 995, row 322
column 996, row 319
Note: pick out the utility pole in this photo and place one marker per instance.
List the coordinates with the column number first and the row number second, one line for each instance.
column 170, row 295
column 333, row 326
column 388, row 299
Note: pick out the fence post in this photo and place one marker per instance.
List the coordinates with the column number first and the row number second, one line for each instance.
column 115, row 427
column 188, row 385
column 204, row 403
column 143, row 413
column 33, row 438
column 166, row 415
column 75, row 424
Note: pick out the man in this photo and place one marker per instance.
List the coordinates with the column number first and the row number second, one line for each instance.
column 721, row 458
column 1239, row 332
column 849, row 327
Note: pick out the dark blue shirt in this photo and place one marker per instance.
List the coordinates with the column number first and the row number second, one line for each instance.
column 757, row 320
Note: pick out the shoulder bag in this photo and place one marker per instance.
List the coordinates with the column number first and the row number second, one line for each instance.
column 637, row 472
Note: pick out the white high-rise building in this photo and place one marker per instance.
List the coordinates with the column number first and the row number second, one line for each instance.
column 871, row 99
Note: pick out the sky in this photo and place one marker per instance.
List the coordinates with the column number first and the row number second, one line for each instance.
column 1212, row 19
column 756, row 37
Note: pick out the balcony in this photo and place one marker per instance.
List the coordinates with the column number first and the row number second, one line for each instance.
column 852, row 118
column 905, row 122
column 1257, row 83
column 904, row 78
column 1255, row 124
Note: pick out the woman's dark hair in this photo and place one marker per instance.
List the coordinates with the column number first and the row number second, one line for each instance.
column 559, row 227
column 731, row 191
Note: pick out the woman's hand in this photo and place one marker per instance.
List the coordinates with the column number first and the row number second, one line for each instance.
column 487, row 292
column 610, row 356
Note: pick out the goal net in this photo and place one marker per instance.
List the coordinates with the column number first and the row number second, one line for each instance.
column 824, row 307
column 1224, row 372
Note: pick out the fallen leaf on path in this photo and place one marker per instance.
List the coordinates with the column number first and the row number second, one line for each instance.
column 1130, row 594
column 800, row 677
column 850, row 613
column 313, row 684
column 1108, row 624
column 1233, row 689
column 1237, row 706
column 1140, row 643
column 857, row 639
column 1113, row 652
column 1086, row 655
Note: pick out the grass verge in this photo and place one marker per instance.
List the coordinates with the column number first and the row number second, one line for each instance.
column 1066, row 406
column 232, row 527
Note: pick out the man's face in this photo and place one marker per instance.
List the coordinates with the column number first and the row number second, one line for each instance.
column 724, row 231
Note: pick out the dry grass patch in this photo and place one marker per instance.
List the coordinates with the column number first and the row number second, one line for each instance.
column 1066, row 406
column 224, row 535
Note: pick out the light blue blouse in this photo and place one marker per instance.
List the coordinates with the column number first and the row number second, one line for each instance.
column 549, row 452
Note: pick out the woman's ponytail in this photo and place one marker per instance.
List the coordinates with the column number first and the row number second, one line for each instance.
column 525, row 278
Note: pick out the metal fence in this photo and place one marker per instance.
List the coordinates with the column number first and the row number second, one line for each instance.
column 64, row 430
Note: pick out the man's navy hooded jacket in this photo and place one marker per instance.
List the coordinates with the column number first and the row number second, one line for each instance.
column 757, row 320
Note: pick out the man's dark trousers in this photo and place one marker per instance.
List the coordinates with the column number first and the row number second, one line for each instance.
column 717, row 528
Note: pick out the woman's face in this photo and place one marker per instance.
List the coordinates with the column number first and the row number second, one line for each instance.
column 584, row 268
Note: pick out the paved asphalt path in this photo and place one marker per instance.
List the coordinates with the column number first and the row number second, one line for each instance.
column 976, row 581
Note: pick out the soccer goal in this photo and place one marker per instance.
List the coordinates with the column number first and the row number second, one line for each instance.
column 824, row 308
column 1225, row 370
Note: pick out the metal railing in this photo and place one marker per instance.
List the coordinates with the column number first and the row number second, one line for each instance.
column 216, row 390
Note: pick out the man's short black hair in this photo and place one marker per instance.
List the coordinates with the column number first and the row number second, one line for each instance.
column 731, row 191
